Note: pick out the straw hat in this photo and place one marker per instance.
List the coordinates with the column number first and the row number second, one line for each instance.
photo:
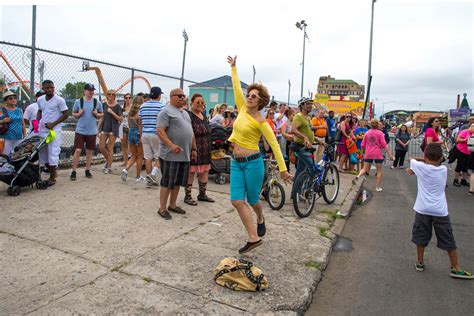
column 8, row 94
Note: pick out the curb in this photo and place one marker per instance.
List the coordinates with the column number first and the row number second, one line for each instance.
column 347, row 207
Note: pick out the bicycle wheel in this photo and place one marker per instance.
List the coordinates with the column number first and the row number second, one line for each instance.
column 275, row 195
column 305, row 196
column 330, row 183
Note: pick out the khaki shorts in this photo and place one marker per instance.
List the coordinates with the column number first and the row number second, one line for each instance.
column 151, row 146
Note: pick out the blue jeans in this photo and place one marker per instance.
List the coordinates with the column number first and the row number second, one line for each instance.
column 304, row 162
column 246, row 179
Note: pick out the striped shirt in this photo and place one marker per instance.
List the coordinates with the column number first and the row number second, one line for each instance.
column 148, row 114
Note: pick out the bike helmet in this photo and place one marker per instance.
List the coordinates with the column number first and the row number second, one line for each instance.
column 304, row 100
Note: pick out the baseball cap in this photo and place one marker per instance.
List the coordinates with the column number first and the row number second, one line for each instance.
column 89, row 86
column 155, row 92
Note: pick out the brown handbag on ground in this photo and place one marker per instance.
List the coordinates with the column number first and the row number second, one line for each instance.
column 240, row 275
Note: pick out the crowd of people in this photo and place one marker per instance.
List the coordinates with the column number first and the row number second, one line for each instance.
column 173, row 141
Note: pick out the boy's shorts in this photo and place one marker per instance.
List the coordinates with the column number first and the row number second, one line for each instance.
column 423, row 230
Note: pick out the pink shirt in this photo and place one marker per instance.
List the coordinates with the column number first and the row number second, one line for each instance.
column 373, row 143
column 431, row 133
column 465, row 134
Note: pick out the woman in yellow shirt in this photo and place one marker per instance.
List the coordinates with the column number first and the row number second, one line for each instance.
column 247, row 168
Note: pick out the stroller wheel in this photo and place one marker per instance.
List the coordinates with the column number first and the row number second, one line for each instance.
column 38, row 184
column 16, row 190
column 219, row 178
column 9, row 191
column 43, row 185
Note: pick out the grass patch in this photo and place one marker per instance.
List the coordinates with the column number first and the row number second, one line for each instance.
column 312, row 264
column 323, row 232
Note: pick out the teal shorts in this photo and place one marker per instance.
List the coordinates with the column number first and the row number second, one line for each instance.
column 246, row 179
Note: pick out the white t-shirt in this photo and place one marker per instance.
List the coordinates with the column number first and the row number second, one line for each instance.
column 217, row 119
column 50, row 111
column 431, row 197
column 31, row 113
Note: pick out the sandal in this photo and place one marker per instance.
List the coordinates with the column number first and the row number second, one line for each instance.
column 189, row 200
column 177, row 209
column 205, row 198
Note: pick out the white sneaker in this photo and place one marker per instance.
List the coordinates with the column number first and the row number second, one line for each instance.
column 124, row 175
column 152, row 180
column 140, row 179
column 401, row 167
column 391, row 167
column 378, row 189
column 106, row 171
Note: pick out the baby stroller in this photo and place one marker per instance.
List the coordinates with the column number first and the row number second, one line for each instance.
column 19, row 169
column 220, row 158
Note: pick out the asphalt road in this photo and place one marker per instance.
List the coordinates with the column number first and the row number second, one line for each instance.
column 378, row 275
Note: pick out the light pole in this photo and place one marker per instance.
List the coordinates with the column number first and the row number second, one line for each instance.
column 302, row 26
column 289, row 88
column 254, row 72
column 383, row 106
column 181, row 81
column 369, row 76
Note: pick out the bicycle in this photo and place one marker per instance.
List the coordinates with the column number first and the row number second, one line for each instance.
column 320, row 180
column 272, row 190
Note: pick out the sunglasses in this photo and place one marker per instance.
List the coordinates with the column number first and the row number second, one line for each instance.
column 128, row 98
column 270, row 113
column 252, row 96
column 111, row 94
column 200, row 103
column 11, row 98
column 181, row 96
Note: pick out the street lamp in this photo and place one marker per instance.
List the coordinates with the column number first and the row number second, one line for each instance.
column 383, row 106
column 369, row 76
column 181, row 81
column 302, row 26
column 254, row 72
column 289, row 88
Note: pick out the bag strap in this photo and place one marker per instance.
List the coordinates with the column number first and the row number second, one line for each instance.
column 81, row 102
column 95, row 103
column 246, row 265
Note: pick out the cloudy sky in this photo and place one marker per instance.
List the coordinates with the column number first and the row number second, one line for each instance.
column 422, row 50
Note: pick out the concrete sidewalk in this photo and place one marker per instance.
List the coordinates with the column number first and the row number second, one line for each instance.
column 98, row 246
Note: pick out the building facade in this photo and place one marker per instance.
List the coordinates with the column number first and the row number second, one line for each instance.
column 216, row 91
column 341, row 88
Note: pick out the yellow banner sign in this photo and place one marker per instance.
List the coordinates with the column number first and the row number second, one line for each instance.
column 340, row 107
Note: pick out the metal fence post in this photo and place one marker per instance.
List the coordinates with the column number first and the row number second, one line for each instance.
column 131, row 82
column 33, row 55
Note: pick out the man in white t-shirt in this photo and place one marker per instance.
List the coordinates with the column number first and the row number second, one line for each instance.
column 431, row 209
column 52, row 111
column 31, row 113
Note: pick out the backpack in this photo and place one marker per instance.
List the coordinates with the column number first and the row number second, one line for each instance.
column 240, row 275
column 82, row 103
column 4, row 126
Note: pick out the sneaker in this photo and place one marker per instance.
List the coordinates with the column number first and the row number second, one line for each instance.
column 104, row 167
column 470, row 193
column 419, row 266
column 73, row 176
column 106, row 171
column 456, row 183
column 400, row 167
column 464, row 182
column 249, row 246
column 165, row 214
column 88, row 174
column 152, row 180
column 461, row 274
column 378, row 189
column 124, row 175
column 391, row 167
column 140, row 179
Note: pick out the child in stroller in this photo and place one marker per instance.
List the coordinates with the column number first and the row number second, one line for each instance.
column 221, row 151
column 19, row 169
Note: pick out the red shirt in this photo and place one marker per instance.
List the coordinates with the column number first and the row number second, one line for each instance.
column 431, row 133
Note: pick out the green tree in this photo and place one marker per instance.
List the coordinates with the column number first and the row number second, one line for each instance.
column 72, row 90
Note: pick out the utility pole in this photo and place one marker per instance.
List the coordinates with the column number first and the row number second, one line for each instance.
column 289, row 88
column 185, row 36
column 369, row 76
column 302, row 26
column 254, row 72
column 33, row 54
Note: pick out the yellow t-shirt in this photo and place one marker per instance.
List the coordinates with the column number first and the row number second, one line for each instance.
column 247, row 131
